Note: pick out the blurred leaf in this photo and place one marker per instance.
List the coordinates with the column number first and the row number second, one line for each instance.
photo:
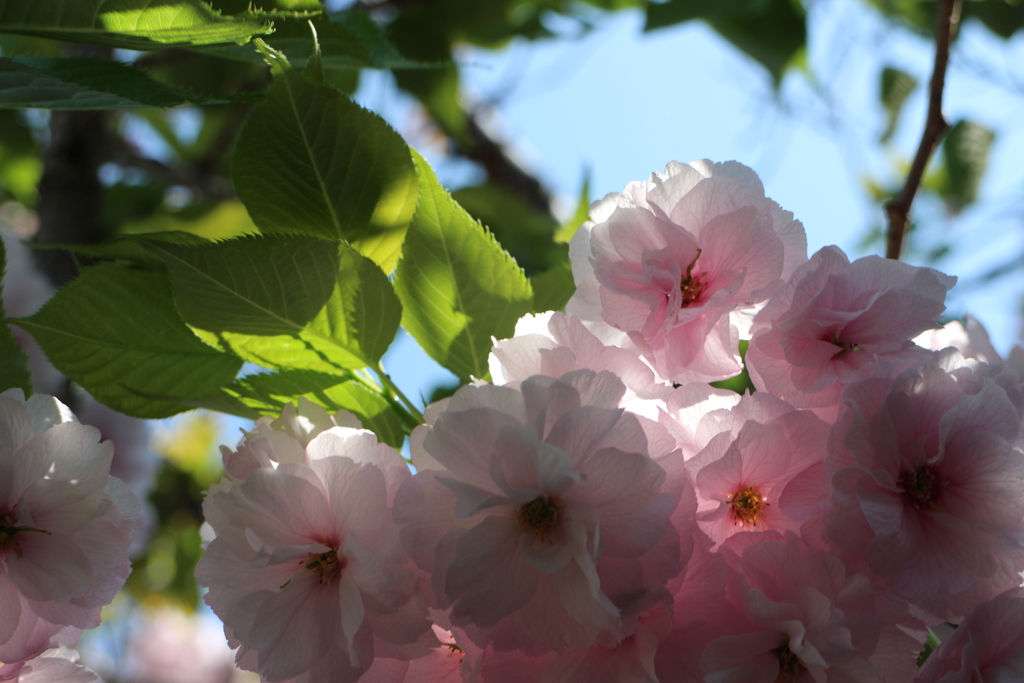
column 81, row 83
column 1002, row 17
column 310, row 161
column 129, row 24
column 167, row 569
column 123, row 202
column 568, row 229
column 116, row 332
column 965, row 151
column 527, row 234
column 191, row 444
column 20, row 162
column 285, row 301
column 458, row 287
column 13, row 361
column 773, row 32
column 553, row 288
column 896, row 88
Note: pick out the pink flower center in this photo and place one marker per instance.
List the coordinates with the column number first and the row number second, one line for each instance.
column 844, row 347
column 789, row 663
column 691, row 286
column 9, row 532
column 327, row 565
column 540, row 515
column 747, row 506
column 922, row 487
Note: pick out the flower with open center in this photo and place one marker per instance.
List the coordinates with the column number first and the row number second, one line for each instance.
column 927, row 490
column 307, row 570
column 528, row 501
column 678, row 264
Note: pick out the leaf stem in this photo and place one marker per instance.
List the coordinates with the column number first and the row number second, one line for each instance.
column 898, row 209
column 393, row 388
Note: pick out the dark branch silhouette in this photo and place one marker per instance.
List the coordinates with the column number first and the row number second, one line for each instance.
column 935, row 126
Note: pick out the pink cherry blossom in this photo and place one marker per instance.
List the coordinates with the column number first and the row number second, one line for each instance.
column 678, row 262
column 65, row 526
column 927, row 491
column 987, row 646
column 539, row 513
column 805, row 619
column 743, row 471
column 835, row 321
column 52, row 666
column 307, row 570
column 283, row 439
column 553, row 344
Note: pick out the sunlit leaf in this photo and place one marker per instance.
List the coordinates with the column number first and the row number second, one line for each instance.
column 131, row 24
column 458, row 287
column 116, row 332
column 311, row 161
column 285, row 301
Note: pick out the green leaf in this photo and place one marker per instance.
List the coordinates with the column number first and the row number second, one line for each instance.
column 553, row 288
column 115, row 331
column 896, row 88
column 965, row 151
column 311, row 161
column 13, row 361
column 130, row 24
column 740, row 383
column 267, row 7
column 81, row 83
column 349, row 40
column 288, row 302
column 458, row 287
column 523, row 231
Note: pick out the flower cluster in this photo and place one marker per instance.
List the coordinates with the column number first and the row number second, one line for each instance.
column 599, row 513
column 65, row 528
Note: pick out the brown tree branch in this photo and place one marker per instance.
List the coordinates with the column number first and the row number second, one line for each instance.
column 898, row 209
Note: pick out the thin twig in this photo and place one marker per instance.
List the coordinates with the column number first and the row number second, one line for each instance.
column 935, row 126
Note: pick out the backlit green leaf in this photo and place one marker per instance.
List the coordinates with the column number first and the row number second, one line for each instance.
column 115, row 331
column 131, row 24
column 289, row 302
column 458, row 287
column 311, row 161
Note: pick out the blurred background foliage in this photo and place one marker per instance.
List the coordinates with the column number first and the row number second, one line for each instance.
column 84, row 158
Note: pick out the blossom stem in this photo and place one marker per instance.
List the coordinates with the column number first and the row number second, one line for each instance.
column 898, row 209
column 397, row 393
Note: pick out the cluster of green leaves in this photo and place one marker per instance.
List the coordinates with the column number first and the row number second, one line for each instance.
column 337, row 201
